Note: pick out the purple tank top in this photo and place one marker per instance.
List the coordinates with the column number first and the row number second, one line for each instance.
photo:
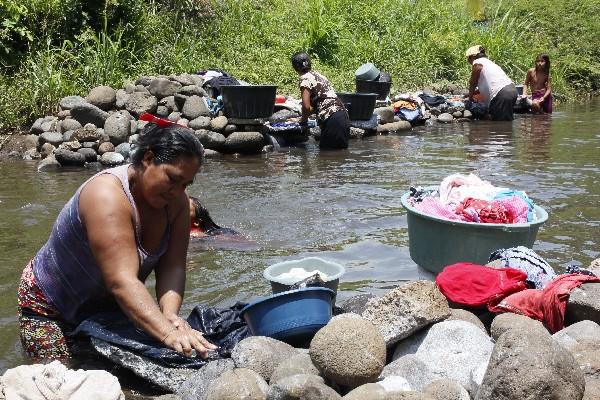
column 65, row 267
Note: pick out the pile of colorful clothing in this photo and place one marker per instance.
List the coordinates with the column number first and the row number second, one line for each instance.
column 470, row 199
column 517, row 280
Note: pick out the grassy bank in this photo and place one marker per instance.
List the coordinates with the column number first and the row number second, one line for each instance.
column 47, row 53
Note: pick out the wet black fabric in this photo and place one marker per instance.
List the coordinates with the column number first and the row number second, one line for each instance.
column 502, row 106
column 216, row 83
column 335, row 131
column 222, row 327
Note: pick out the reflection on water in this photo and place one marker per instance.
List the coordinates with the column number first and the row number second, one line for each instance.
column 344, row 206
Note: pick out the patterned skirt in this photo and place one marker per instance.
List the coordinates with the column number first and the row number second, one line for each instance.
column 41, row 329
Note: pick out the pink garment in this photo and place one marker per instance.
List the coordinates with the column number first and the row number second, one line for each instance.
column 432, row 206
column 455, row 188
column 547, row 305
column 547, row 103
column 517, row 207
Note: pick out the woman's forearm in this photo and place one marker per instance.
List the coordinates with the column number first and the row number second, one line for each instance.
column 139, row 306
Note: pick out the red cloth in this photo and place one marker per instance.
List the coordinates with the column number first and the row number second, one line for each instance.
column 478, row 210
column 477, row 285
column 547, row 305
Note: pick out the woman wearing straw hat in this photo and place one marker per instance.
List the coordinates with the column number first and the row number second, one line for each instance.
column 498, row 91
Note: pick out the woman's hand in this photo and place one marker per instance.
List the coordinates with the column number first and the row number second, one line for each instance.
column 178, row 322
column 185, row 339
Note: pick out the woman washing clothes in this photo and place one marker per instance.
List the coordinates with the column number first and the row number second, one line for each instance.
column 318, row 96
column 119, row 226
column 498, row 92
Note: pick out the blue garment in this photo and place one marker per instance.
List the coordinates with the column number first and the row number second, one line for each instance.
column 510, row 193
column 408, row 114
column 66, row 269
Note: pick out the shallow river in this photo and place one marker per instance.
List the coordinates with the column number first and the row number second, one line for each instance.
column 343, row 206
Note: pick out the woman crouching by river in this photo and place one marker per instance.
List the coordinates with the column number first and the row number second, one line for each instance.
column 318, row 96
column 119, row 226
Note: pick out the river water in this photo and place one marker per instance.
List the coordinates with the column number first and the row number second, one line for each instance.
column 343, row 206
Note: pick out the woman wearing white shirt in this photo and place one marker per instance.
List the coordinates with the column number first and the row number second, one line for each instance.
column 497, row 90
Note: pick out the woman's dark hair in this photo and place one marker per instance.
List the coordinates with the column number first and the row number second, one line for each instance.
column 167, row 143
column 203, row 219
column 301, row 62
column 481, row 53
column 546, row 58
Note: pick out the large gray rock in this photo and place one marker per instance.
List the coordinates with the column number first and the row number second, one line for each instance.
column 333, row 350
column 211, row 140
column 356, row 304
column 68, row 157
column 244, row 142
column 106, row 147
column 398, row 126
column 124, row 149
column 530, row 365
column 411, row 368
column 239, row 383
column 386, row 114
column 169, row 379
column 48, row 164
column 103, row 97
column 36, row 128
column 69, row 124
column 445, row 118
column 195, row 386
column 121, row 97
column 194, row 107
column 184, row 79
column 583, row 342
column 456, row 350
column 89, row 154
column 200, row 123
column 86, row 113
column 67, row 103
column 161, row 87
column 111, row 159
column 406, row 309
column 446, row 389
column 46, row 150
column 139, row 103
column 506, row 321
column 261, row 354
column 584, row 304
column 193, row 90
column 298, row 364
column 218, row 124
column 376, row 391
column 54, row 138
column 118, row 126
column 302, row 387
column 458, row 314
column 87, row 135
column 169, row 102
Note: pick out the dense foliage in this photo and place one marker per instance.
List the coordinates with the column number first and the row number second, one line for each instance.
column 53, row 48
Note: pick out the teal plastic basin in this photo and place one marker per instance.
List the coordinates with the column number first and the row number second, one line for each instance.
column 436, row 242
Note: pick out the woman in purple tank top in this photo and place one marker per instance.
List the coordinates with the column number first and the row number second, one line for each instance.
column 120, row 225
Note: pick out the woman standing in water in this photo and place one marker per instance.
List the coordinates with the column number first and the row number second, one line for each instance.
column 119, row 226
column 538, row 80
column 318, row 96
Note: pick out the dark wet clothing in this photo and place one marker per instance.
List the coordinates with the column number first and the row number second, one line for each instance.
column 501, row 106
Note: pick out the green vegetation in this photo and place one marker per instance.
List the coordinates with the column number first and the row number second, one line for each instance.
column 53, row 48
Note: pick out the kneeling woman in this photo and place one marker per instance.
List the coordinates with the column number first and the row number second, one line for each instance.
column 119, row 226
column 319, row 97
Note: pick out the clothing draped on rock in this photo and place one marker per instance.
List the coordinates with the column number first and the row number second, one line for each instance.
column 547, row 305
column 476, row 285
column 222, row 327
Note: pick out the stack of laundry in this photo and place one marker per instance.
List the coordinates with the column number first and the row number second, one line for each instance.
column 470, row 199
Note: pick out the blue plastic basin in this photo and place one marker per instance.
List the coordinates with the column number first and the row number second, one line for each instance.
column 293, row 316
column 436, row 242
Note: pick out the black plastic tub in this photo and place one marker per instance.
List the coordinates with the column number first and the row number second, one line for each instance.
column 360, row 106
column 248, row 101
column 381, row 88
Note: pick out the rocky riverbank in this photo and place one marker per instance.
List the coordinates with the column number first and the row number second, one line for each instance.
column 406, row 344
column 101, row 129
